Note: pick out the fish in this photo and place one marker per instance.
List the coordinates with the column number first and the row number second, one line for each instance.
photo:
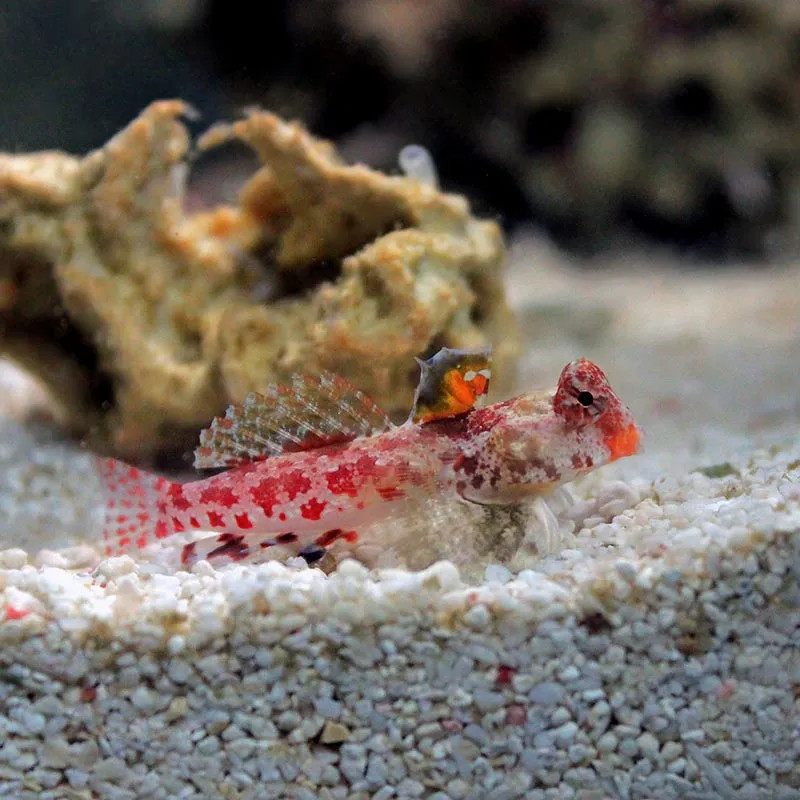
column 316, row 464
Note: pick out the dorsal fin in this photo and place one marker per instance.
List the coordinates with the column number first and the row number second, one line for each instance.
column 450, row 383
column 311, row 413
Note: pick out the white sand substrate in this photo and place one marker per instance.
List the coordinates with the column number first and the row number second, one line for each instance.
column 657, row 655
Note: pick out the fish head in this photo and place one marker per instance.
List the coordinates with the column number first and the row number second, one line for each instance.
column 593, row 415
column 538, row 440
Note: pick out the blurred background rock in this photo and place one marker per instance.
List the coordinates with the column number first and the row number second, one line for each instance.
column 605, row 122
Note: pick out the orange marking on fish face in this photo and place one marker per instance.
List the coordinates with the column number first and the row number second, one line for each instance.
column 622, row 443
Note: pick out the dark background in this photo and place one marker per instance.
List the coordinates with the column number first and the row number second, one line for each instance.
column 603, row 122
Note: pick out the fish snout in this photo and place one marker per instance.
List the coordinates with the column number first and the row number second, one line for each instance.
column 624, row 441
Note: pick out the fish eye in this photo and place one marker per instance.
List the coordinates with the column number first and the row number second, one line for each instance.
column 585, row 399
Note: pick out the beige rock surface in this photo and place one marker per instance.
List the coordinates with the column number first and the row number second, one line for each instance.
column 144, row 321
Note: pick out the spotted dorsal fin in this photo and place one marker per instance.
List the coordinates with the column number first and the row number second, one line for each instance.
column 450, row 383
column 310, row 413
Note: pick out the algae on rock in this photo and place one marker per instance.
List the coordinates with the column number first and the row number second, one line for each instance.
column 145, row 320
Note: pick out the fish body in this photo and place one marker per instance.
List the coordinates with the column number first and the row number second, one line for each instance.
column 339, row 467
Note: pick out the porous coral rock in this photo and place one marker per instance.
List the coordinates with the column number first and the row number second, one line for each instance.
column 145, row 320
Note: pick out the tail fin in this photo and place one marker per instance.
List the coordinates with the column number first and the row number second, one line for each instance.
column 135, row 506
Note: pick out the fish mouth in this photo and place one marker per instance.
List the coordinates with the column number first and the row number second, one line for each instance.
column 625, row 442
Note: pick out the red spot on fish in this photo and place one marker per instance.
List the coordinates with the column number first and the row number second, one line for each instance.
column 124, row 541
column 351, row 536
column 215, row 519
column 141, row 541
column 133, row 473
column 143, row 517
column 161, row 529
column 12, row 612
column 465, row 464
column 243, row 521
column 188, row 553
column 265, row 544
column 177, row 497
column 285, row 538
column 504, row 675
column 282, row 517
column 360, row 505
column 313, row 508
column 295, row 483
column 342, row 480
column 263, row 495
column 177, row 525
column 577, row 461
column 234, row 548
column 194, row 522
column 218, row 495
column 329, row 537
